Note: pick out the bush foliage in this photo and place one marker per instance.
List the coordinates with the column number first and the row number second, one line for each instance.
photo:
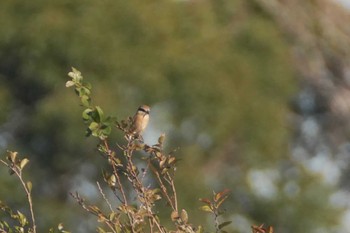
column 139, row 188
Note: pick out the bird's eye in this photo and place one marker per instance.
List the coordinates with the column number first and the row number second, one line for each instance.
column 143, row 110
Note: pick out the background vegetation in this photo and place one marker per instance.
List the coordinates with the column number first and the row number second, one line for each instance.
column 247, row 91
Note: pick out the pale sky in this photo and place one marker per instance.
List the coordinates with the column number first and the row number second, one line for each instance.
column 345, row 3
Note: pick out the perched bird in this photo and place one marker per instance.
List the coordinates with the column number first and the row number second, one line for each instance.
column 140, row 121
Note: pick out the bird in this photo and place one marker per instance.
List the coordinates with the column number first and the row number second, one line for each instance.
column 140, row 121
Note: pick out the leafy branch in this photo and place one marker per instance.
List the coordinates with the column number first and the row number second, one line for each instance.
column 213, row 207
column 129, row 215
column 16, row 165
column 133, row 216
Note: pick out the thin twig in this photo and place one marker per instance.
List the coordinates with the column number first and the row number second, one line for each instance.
column 104, row 196
column 115, row 171
column 150, row 225
column 162, row 186
column 83, row 205
column 174, row 194
column 216, row 220
column 121, row 189
column 137, row 184
column 144, row 173
column 18, row 173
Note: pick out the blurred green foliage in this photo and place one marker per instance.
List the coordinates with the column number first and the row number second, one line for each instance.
column 220, row 70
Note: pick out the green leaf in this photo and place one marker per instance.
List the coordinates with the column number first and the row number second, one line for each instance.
column 70, row 83
column 86, row 114
column 224, row 224
column 29, row 186
column 93, row 126
column 88, row 86
column 112, row 216
column 88, row 132
column 95, row 115
column 85, row 91
column 95, row 133
column 85, row 100
column 107, row 130
column 19, row 229
column 22, row 218
column 100, row 112
column 206, row 209
column 199, row 230
column 156, row 190
column 100, row 230
column 78, row 91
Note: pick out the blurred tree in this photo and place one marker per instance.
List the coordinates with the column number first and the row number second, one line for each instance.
column 218, row 74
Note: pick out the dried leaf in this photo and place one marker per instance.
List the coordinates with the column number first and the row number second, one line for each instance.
column 139, row 146
column 205, row 200
column 95, row 210
column 165, row 170
column 221, row 201
column 258, row 229
column 162, row 162
column 12, row 156
column 221, row 194
column 174, row 215
column 161, row 139
column 101, row 218
column 184, row 216
column 156, row 190
column 158, row 154
column 112, row 181
column 171, row 160
column 60, row 226
column 23, row 163
column 157, row 197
